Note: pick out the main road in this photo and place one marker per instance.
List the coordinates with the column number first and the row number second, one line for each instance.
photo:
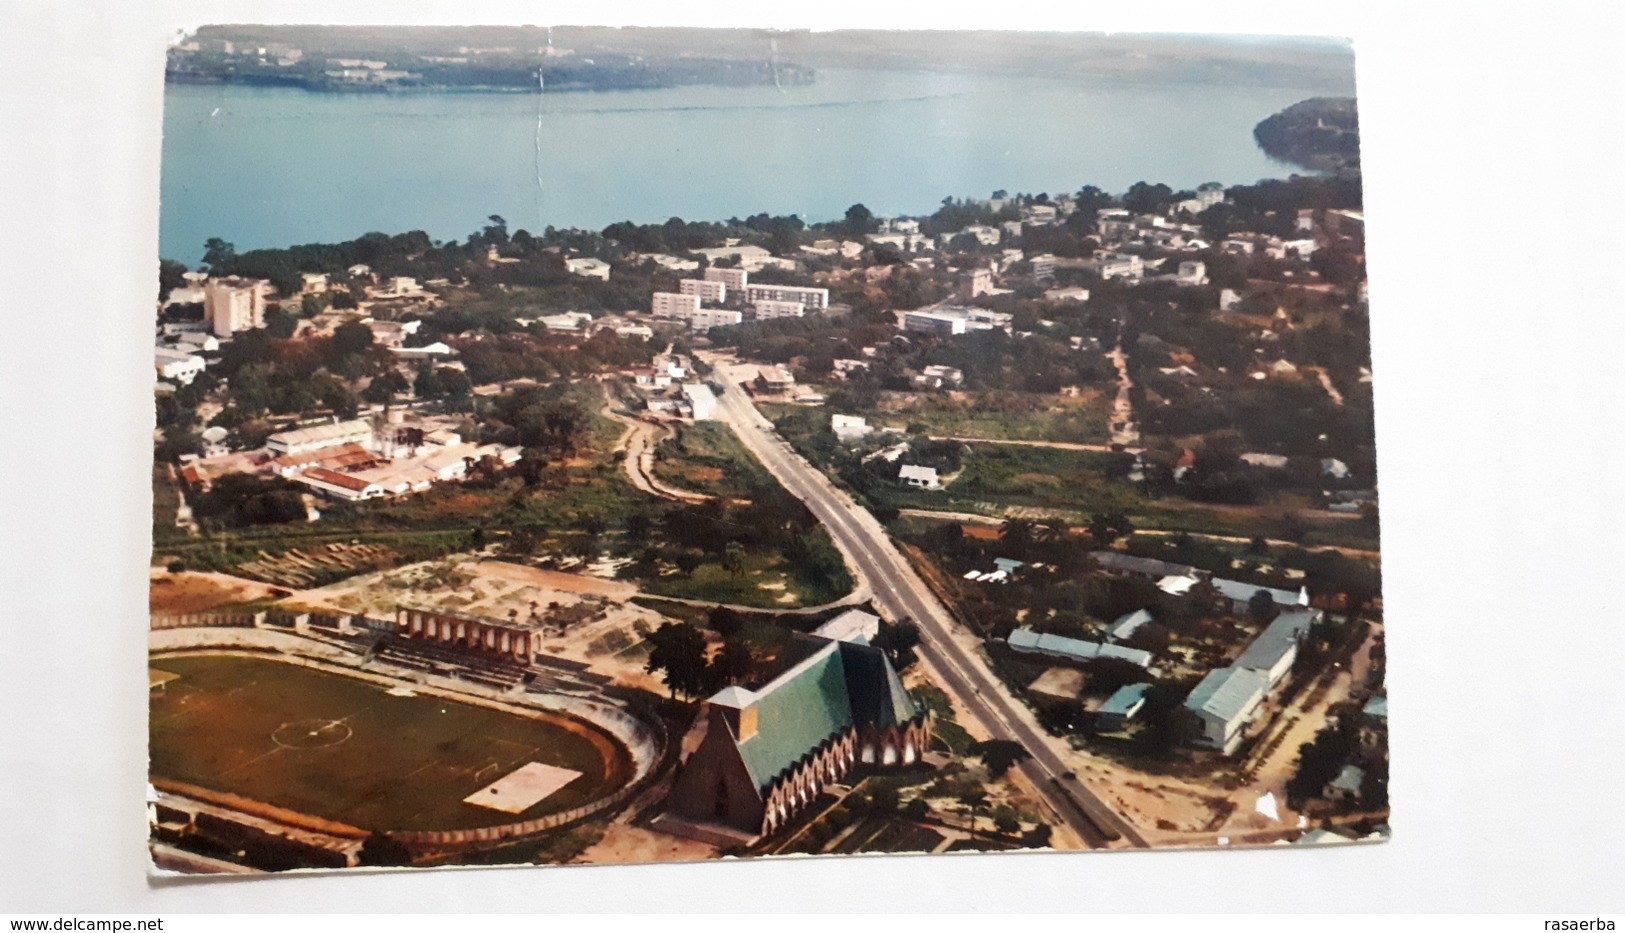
column 900, row 593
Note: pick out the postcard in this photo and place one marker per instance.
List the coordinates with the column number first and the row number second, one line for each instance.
column 584, row 445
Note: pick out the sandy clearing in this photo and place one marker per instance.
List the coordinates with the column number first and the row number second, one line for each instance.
column 198, row 591
column 554, row 579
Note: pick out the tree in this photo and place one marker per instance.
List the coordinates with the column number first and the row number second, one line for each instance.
column 725, row 621
column 171, row 275
column 859, row 222
column 898, row 641
column 351, row 337
column 999, row 755
column 1143, row 198
column 678, row 656
column 974, row 797
column 732, row 664
column 1017, row 534
column 1261, row 607
column 217, row 254
column 383, row 389
column 733, row 558
column 1106, row 527
column 1006, row 820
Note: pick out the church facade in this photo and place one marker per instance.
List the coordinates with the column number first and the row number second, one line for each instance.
column 765, row 754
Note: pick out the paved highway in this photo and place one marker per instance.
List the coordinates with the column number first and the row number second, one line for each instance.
column 900, row 593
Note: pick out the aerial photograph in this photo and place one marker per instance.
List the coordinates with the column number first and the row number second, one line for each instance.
column 586, row 445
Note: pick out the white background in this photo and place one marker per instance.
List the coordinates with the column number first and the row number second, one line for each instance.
column 1491, row 146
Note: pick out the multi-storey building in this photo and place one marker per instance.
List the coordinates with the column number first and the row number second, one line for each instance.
column 767, row 310
column 673, row 304
column 705, row 289
column 812, row 299
column 735, row 279
column 232, row 304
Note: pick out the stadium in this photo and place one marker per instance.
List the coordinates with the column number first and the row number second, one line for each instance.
column 282, row 741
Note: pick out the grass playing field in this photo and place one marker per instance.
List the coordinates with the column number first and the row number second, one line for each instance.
column 348, row 750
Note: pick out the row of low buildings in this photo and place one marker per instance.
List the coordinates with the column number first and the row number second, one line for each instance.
column 1228, row 699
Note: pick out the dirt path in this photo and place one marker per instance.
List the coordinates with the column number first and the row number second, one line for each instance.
column 638, row 443
column 1057, row 445
column 1331, row 390
column 1124, row 430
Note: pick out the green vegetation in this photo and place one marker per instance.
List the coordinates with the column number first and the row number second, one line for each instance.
column 707, row 457
column 1320, row 133
column 945, row 728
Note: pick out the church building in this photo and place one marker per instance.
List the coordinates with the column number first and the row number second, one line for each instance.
column 765, row 754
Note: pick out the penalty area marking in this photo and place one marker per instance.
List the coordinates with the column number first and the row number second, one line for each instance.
column 522, row 789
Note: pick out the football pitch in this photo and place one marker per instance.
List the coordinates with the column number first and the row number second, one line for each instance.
column 349, row 750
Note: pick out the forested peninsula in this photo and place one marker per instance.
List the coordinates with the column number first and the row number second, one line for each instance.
column 1321, row 133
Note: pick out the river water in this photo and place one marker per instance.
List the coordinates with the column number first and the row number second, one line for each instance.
column 265, row 167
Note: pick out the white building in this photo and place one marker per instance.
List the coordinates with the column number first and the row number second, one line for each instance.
column 313, row 283
column 775, row 379
column 812, row 299
column 588, row 267
column 987, row 236
column 702, row 402
column 233, row 304
column 920, row 477
column 852, row 625
column 937, row 377
column 674, row 304
column 767, row 310
column 426, row 352
column 337, row 485
column 734, row 279
column 673, row 263
column 849, row 428
column 568, row 321
column 705, row 289
column 1121, row 265
column 747, row 254
column 197, row 341
column 707, row 318
column 1191, row 273
column 1224, row 702
column 933, row 322
column 302, row 440
column 177, row 365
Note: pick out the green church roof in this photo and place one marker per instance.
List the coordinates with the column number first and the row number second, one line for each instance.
column 839, row 685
